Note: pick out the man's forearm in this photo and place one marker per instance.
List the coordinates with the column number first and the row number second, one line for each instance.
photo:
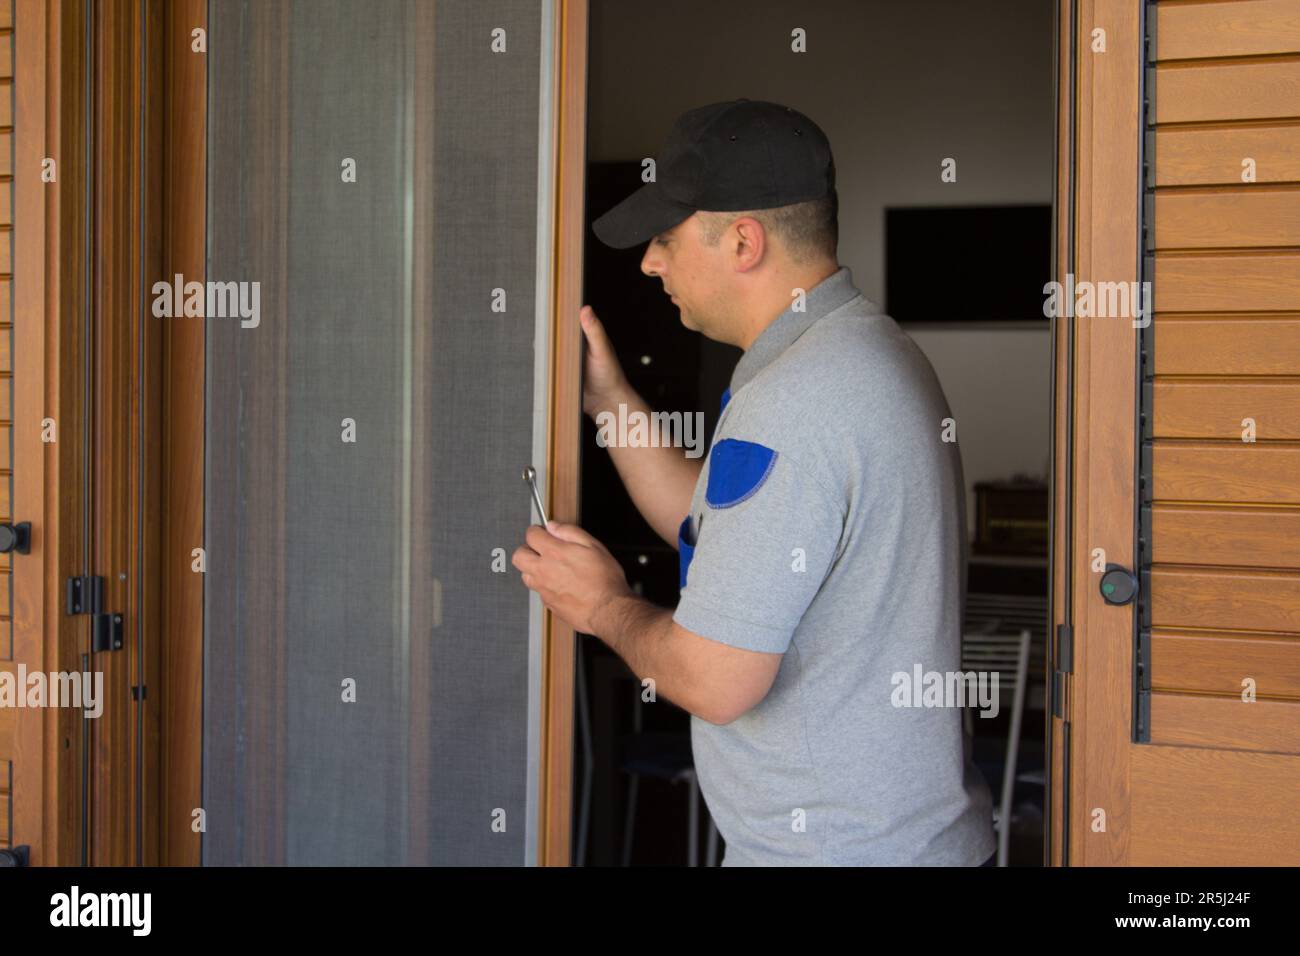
column 642, row 634
column 659, row 479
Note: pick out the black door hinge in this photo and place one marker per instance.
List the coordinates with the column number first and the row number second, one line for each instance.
column 1064, row 658
column 86, row 596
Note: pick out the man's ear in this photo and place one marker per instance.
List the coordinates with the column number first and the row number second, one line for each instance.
column 750, row 241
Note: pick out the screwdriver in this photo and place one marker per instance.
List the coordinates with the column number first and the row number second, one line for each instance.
column 530, row 476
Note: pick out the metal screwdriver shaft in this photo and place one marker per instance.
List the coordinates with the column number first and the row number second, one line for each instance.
column 530, row 476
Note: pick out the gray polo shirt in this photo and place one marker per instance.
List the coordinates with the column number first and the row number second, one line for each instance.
column 828, row 525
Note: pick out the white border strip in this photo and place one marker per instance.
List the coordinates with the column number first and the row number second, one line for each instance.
column 542, row 297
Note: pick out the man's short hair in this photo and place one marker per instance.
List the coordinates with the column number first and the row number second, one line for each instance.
column 808, row 230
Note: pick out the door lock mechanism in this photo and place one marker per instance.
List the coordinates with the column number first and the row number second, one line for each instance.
column 16, row 856
column 16, row 537
column 1119, row 585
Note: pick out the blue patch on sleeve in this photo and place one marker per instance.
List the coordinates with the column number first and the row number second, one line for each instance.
column 737, row 469
column 726, row 397
column 684, row 551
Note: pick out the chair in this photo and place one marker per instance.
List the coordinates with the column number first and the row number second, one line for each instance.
column 665, row 756
column 1008, row 655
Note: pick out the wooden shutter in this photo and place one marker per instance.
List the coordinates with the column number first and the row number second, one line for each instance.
column 1224, row 514
column 1150, row 468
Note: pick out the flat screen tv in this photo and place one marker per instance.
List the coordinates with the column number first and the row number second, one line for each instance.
column 967, row 263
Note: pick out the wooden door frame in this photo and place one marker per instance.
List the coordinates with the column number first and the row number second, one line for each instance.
column 89, row 238
column 182, row 448
column 559, row 640
column 125, row 486
column 1095, row 431
column 49, row 308
column 184, row 192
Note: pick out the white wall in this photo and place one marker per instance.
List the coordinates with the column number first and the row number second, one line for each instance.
column 898, row 85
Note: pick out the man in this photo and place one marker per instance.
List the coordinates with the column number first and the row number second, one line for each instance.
column 823, row 543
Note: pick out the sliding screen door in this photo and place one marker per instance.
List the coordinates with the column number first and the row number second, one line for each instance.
column 375, row 384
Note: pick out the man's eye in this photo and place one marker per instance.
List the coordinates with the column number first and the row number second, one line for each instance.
column 661, row 241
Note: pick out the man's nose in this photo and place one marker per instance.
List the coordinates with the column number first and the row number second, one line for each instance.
column 650, row 263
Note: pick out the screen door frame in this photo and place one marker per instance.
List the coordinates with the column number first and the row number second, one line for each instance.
column 562, row 125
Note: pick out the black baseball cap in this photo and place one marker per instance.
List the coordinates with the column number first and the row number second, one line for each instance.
column 741, row 154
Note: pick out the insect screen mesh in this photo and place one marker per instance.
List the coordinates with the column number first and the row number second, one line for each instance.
column 373, row 169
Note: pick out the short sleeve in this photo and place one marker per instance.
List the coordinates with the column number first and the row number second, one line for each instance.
column 766, row 537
